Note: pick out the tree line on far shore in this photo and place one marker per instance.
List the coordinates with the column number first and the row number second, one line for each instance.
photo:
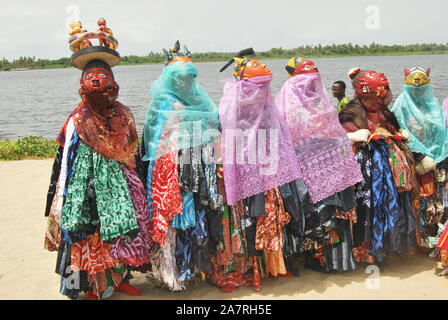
column 274, row 53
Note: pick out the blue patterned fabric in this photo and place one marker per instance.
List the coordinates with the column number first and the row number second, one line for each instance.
column 216, row 200
column 423, row 205
column 148, row 182
column 200, row 230
column 71, row 237
column 184, row 261
column 160, row 124
column 385, row 202
column 187, row 219
column 201, row 255
column 406, row 223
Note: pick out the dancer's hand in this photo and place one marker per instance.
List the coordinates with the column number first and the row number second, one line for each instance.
column 425, row 165
column 358, row 136
column 405, row 134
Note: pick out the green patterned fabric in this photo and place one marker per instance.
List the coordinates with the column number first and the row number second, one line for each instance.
column 114, row 204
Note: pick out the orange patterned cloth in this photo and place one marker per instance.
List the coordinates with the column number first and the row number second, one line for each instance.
column 427, row 184
column 269, row 228
column 221, row 187
column 92, row 255
column 233, row 279
column 401, row 170
column 347, row 215
column 237, row 237
column 361, row 254
column 240, row 207
column 333, row 237
column 231, row 249
column 275, row 264
column 319, row 255
column 240, row 264
column 416, row 204
column 443, row 257
column 110, row 133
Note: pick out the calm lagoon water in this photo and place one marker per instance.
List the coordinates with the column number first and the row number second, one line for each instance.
column 37, row 102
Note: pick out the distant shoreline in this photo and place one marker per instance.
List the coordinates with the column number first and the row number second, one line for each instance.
column 131, row 60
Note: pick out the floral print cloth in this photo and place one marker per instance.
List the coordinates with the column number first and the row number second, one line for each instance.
column 114, row 204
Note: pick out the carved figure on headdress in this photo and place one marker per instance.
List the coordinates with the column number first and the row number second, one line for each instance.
column 103, row 28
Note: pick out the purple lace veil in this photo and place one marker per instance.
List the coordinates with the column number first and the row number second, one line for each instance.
column 325, row 155
column 256, row 148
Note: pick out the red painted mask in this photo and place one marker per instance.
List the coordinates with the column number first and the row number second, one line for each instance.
column 98, row 88
column 305, row 66
column 372, row 90
column 97, row 79
column 367, row 82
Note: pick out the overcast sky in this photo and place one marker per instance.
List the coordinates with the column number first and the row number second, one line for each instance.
column 39, row 28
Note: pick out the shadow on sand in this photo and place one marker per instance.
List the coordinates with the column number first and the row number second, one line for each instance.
column 309, row 282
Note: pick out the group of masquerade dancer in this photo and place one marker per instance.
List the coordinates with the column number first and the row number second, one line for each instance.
column 256, row 187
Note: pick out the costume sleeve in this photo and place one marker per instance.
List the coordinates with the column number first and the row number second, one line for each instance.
column 141, row 167
column 443, row 164
column 393, row 120
column 56, row 170
column 418, row 156
column 60, row 139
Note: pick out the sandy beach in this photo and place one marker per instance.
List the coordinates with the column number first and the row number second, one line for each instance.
column 27, row 269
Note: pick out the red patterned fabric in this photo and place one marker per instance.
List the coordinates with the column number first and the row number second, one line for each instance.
column 269, row 228
column 229, row 281
column 443, row 256
column 92, row 255
column 222, row 188
column 333, row 237
column 377, row 112
column 224, row 254
column 347, row 215
column 319, row 255
column 400, row 168
column 167, row 199
column 237, row 245
column 426, row 183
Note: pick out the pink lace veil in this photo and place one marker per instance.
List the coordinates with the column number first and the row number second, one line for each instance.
column 325, row 155
column 257, row 152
